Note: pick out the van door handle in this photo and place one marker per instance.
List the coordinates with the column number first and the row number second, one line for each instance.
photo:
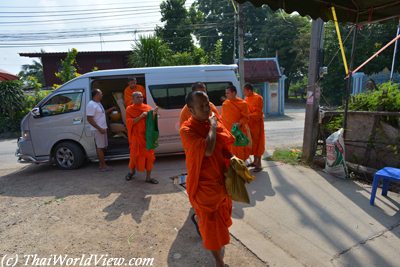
column 77, row 120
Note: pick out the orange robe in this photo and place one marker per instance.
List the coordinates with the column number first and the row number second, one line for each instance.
column 256, row 123
column 185, row 113
column 234, row 111
column 128, row 94
column 140, row 157
column 205, row 182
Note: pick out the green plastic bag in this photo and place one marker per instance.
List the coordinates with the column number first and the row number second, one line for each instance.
column 152, row 132
column 241, row 138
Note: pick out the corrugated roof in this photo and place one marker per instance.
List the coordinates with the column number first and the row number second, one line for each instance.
column 261, row 70
column 52, row 54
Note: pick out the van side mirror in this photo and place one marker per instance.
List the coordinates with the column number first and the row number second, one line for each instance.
column 36, row 112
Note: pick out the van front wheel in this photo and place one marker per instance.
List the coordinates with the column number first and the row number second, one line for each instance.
column 68, row 156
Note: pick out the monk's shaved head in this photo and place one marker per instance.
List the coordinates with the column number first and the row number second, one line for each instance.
column 198, row 86
column 198, row 105
column 191, row 97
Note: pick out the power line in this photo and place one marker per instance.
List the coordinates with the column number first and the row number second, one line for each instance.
column 74, row 20
column 77, row 12
column 89, row 5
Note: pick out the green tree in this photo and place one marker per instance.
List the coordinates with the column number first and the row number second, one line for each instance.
column 216, row 23
column 68, row 67
column 177, row 29
column 289, row 37
column 266, row 33
column 149, row 51
column 11, row 105
column 370, row 39
column 32, row 70
column 215, row 56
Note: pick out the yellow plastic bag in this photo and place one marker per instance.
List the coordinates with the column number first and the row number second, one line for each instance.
column 236, row 177
column 235, row 187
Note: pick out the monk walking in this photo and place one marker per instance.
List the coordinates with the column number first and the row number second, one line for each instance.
column 133, row 87
column 185, row 113
column 140, row 158
column 256, row 125
column 236, row 111
column 206, row 142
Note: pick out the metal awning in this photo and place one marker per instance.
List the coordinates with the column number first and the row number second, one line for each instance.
column 367, row 11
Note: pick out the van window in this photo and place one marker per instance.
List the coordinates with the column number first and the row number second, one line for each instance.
column 216, row 91
column 172, row 96
column 62, row 103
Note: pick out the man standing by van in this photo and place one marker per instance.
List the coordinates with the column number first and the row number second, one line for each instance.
column 130, row 89
column 96, row 116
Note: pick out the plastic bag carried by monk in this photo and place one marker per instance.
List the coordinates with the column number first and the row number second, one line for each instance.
column 240, row 138
column 152, row 132
column 236, row 177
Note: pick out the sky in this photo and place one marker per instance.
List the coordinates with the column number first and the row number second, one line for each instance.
column 28, row 26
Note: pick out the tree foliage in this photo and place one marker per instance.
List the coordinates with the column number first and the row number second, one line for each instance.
column 32, row 72
column 68, row 69
column 177, row 29
column 11, row 105
column 370, row 38
column 149, row 51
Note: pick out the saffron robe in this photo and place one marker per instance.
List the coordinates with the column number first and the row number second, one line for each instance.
column 129, row 91
column 205, row 183
column 237, row 111
column 256, row 123
column 140, row 157
column 185, row 113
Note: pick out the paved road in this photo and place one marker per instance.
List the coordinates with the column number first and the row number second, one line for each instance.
column 281, row 131
column 7, row 150
column 285, row 131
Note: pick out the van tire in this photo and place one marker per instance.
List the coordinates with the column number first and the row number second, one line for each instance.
column 68, row 156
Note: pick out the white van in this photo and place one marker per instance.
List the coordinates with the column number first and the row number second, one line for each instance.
column 56, row 130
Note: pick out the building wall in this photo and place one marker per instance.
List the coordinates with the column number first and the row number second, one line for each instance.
column 85, row 63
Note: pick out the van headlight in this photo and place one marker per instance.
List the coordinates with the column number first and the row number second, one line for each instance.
column 26, row 135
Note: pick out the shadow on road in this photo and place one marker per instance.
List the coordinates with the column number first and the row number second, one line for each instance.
column 258, row 190
column 134, row 197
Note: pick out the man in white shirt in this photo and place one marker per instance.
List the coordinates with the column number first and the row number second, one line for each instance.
column 96, row 116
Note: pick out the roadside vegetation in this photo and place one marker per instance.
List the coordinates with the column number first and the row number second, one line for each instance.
column 286, row 155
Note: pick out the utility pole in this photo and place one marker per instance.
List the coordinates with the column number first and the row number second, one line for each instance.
column 313, row 92
column 241, row 45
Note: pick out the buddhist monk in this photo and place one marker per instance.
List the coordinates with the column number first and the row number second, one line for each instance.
column 185, row 113
column 206, row 143
column 140, row 158
column 133, row 87
column 256, row 125
column 236, row 111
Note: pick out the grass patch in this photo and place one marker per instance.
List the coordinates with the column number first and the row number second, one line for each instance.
column 286, row 155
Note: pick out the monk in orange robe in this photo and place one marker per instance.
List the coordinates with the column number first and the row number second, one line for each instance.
column 140, row 158
column 133, row 87
column 206, row 142
column 236, row 111
column 256, row 125
column 185, row 113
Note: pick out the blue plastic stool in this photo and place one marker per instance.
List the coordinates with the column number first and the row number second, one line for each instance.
column 388, row 174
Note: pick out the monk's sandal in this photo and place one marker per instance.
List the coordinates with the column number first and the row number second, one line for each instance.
column 129, row 176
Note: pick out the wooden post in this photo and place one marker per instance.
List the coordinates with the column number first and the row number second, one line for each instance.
column 313, row 92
